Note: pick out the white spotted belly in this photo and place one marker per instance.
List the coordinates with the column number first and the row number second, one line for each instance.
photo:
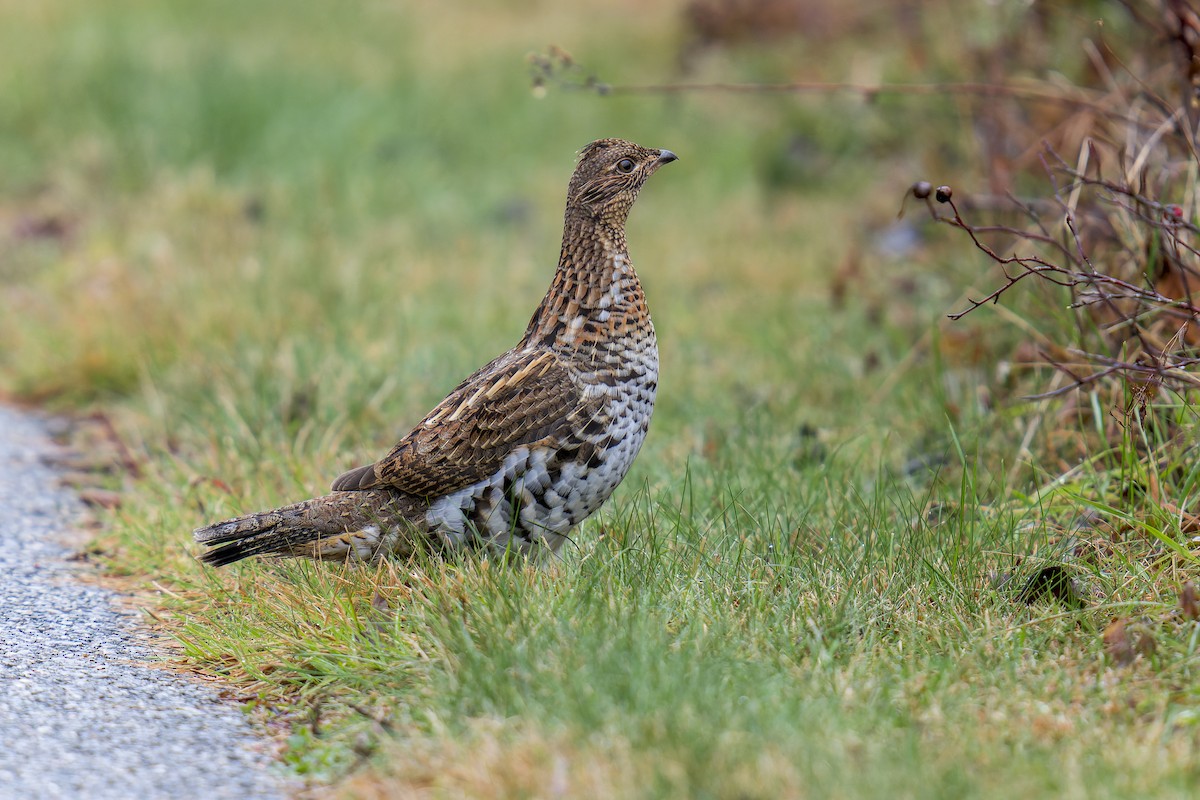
column 541, row 493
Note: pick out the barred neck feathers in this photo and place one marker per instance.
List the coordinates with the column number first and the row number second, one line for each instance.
column 595, row 292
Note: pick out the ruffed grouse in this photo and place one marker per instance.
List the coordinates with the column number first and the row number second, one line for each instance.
column 529, row 446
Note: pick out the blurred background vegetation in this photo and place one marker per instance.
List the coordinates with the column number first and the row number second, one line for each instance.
column 257, row 241
column 207, row 187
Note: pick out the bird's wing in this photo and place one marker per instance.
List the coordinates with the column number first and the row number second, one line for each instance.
column 519, row 398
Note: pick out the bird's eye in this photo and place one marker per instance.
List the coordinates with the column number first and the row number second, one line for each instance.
column 625, row 165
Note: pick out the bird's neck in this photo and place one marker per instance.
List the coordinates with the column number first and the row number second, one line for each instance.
column 595, row 294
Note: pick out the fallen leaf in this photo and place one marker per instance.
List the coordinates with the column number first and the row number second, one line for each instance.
column 1117, row 644
column 1124, row 641
column 1189, row 604
column 1144, row 642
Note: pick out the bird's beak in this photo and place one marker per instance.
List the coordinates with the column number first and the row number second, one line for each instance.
column 666, row 157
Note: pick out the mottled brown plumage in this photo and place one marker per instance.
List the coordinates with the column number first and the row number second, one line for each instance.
column 517, row 399
column 529, row 445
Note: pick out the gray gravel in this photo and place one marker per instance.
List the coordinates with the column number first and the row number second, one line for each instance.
column 80, row 713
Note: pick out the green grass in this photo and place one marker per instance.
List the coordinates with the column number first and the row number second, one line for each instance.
column 290, row 231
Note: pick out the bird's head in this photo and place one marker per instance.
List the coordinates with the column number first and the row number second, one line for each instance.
column 608, row 177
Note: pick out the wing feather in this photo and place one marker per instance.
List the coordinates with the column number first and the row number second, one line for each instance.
column 522, row 397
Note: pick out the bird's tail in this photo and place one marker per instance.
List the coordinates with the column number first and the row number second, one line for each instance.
column 344, row 525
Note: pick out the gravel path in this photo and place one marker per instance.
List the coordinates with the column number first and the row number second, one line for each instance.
column 80, row 717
